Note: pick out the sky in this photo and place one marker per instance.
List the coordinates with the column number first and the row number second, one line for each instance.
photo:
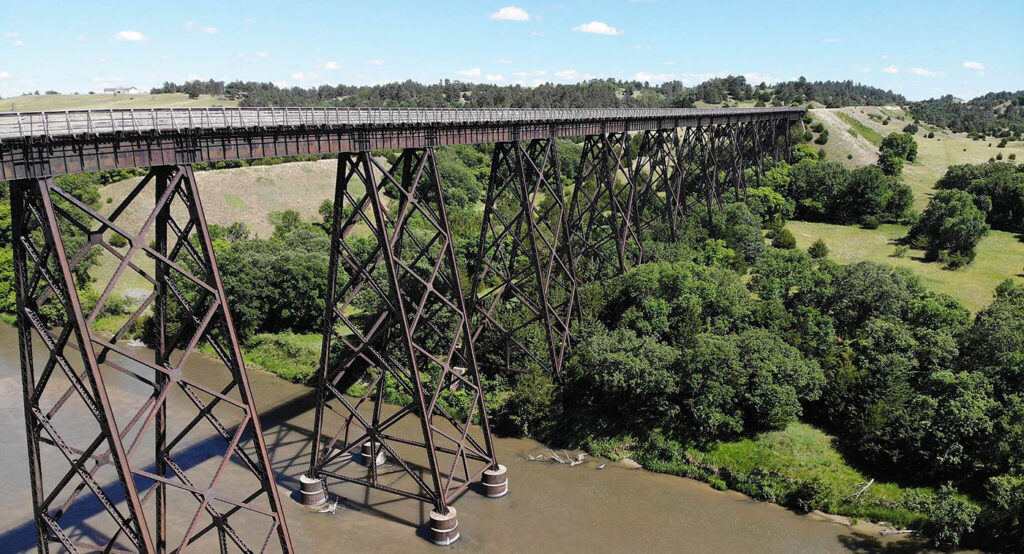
column 918, row 49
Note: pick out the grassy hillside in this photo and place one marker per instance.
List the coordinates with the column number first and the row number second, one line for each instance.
column 36, row 103
column 245, row 194
column 934, row 155
column 1000, row 256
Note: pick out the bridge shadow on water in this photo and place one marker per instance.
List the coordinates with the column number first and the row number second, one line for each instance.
column 288, row 439
column 288, row 445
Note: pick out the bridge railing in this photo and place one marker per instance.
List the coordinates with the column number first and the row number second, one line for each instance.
column 98, row 122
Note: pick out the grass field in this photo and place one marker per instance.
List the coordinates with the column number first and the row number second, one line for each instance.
column 1000, row 256
column 36, row 103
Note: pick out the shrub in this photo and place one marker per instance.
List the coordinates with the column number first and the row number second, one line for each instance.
column 931, row 134
column 818, row 249
column 118, row 241
column 910, row 128
column 869, row 222
column 952, row 518
column 822, row 138
column 901, row 251
column 784, row 239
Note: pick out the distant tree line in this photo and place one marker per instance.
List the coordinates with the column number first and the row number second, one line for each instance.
column 993, row 114
column 607, row 93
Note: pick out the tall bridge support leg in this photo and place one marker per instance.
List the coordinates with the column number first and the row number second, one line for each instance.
column 82, row 442
column 396, row 323
column 524, row 290
column 604, row 240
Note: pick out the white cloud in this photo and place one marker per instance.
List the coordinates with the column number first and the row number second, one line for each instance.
column 503, row 61
column 332, row 66
column 190, row 24
column 885, row 56
column 864, row 69
column 638, row 47
column 645, row 76
column 248, row 21
column 699, row 77
column 300, row 76
column 831, row 39
column 525, row 74
column 671, row 62
column 891, row 69
column 755, row 77
column 926, row 72
column 537, row 33
column 472, row 72
column 572, row 75
column 19, row 43
column 261, row 54
column 194, row 77
column 4, row 74
column 11, row 34
column 209, row 30
column 511, row 13
column 280, row 84
column 973, row 65
column 240, row 55
column 129, row 36
column 598, row 28
column 377, row 62
column 494, row 77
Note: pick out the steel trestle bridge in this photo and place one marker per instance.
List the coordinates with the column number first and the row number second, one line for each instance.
column 406, row 309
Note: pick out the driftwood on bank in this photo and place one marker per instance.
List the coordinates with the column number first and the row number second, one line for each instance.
column 564, row 459
column 857, row 494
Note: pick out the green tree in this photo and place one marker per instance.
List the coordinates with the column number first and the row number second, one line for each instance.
column 950, row 225
column 902, row 145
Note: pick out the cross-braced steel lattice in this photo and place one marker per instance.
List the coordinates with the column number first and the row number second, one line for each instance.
column 396, row 323
column 523, row 297
column 603, row 235
column 132, row 449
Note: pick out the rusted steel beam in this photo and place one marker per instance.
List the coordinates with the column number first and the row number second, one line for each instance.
column 54, row 233
column 45, row 153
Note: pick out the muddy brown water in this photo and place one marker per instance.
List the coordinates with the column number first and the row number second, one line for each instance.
column 550, row 507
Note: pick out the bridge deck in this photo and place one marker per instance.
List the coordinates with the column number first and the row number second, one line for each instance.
column 34, row 144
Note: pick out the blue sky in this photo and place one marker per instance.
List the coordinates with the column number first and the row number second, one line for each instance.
column 919, row 49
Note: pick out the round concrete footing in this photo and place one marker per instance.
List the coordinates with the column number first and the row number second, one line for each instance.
column 312, row 491
column 444, row 528
column 366, row 454
column 495, row 482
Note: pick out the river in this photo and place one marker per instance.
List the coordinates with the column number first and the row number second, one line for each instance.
column 550, row 507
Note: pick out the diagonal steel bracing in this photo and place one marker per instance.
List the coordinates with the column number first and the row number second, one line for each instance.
column 524, row 293
column 397, row 324
column 123, row 451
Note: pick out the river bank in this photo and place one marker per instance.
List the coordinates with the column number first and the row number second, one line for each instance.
column 550, row 506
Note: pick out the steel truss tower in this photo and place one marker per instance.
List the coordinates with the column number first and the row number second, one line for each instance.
column 135, row 452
